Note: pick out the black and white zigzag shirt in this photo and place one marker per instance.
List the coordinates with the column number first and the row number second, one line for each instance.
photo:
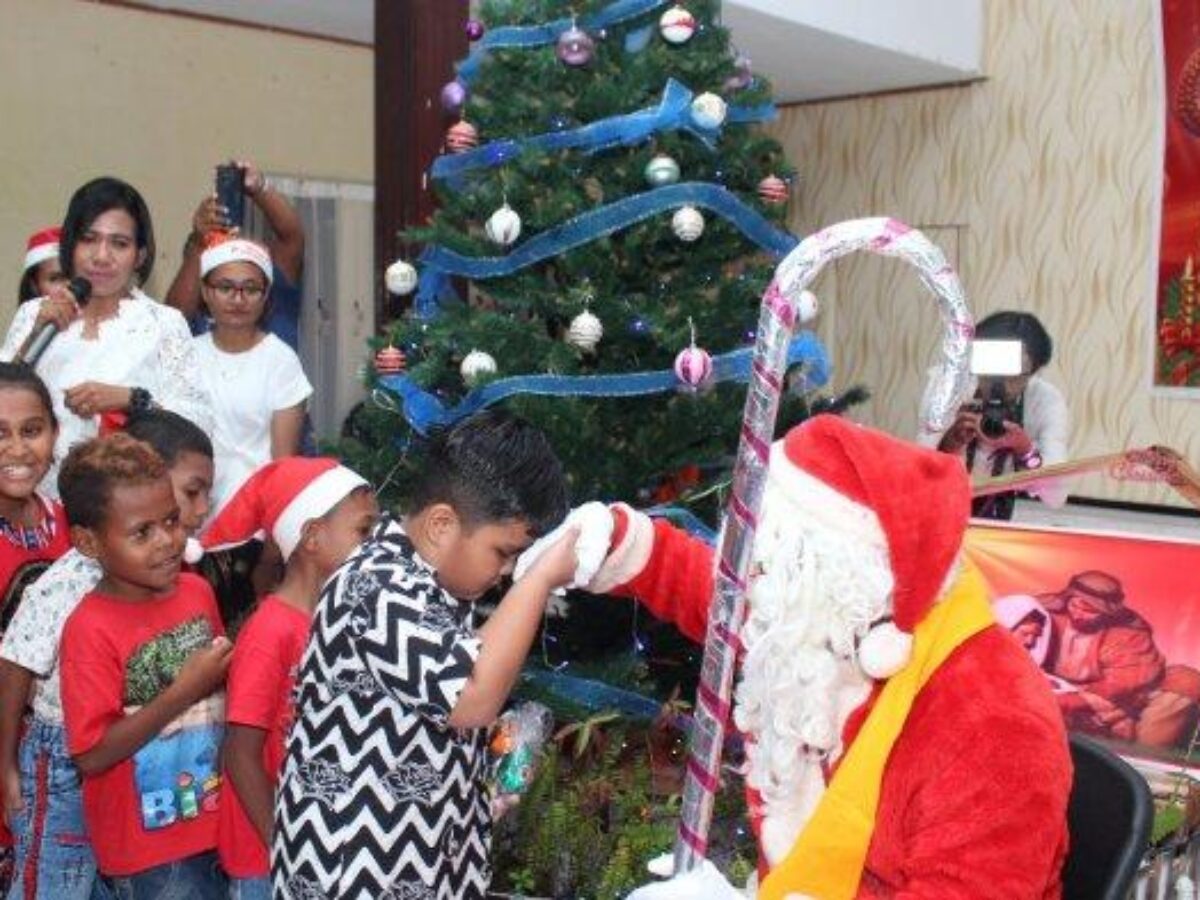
column 379, row 799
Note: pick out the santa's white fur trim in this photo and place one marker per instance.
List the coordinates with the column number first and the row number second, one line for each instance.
column 317, row 498
column 884, row 650
column 627, row 559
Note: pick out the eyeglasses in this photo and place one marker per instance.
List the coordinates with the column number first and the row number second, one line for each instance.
column 226, row 290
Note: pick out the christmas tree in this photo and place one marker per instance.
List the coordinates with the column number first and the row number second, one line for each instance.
column 609, row 218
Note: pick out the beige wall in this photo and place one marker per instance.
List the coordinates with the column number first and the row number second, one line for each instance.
column 91, row 89
column 1040, row 184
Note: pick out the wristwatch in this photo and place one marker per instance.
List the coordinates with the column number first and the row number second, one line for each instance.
column 1032, row 459
column 140, row 401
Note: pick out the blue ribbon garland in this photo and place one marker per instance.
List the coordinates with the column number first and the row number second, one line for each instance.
column 438, row 263
column 673, row 113
column 514, row 36
column 423, row 410
column 594, row 695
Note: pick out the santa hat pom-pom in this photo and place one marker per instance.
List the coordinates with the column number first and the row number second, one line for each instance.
column 193, row 551
column 884, row 651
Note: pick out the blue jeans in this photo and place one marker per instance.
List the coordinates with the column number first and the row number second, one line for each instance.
column 53, row 855
column 197, row 877
column 250, row 888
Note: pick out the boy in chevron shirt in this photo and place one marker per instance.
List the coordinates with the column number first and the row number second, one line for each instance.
column 382, row 793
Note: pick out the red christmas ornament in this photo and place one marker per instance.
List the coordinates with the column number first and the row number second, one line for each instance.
column 773, row 190
column 462, row 137
column 390, row 361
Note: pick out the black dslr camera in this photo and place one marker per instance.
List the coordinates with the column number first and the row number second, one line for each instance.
column 994, row 411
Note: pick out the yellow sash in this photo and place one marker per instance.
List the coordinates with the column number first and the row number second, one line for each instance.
column 826, row 862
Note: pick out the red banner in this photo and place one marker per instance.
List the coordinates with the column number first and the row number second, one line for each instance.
column 1177, row 325
column 1113, row 621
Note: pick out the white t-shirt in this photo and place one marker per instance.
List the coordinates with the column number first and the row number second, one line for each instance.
column 146, row 344
column 35, row 631
column 246, row 389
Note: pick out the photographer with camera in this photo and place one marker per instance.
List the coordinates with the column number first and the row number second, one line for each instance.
column 223, row 211
column 1015, row 422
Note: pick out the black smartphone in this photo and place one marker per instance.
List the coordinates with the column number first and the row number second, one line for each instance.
column 231, row 193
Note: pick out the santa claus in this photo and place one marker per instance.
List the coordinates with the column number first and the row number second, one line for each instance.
column 900, row 743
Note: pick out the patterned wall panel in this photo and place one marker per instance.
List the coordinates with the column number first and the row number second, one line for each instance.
column 1039, row 182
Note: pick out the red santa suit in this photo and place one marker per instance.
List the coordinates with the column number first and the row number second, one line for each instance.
column 972, row 798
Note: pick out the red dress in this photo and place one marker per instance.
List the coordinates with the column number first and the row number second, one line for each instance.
column 974, row 795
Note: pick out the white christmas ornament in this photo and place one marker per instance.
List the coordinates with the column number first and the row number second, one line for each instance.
column 708, row 111
column 504, row 226
column 687, row 223
column 585, row 331
column 476, row 365
column 807, row 306
column 677, row 25
column 401, row 278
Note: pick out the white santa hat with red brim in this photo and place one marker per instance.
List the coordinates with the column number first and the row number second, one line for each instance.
column 279, row 499
column 41, row 246
column 229, row 250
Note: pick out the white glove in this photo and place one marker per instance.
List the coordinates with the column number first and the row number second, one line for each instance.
column 595, row 523
column 701, row 883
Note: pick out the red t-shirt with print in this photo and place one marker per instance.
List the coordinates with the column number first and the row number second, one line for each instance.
column 160, row 804
column 259, row 694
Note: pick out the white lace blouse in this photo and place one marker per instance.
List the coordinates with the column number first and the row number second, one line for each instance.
column 146, row 344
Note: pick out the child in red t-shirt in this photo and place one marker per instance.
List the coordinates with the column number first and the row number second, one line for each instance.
column 143, row 658
column 33, row 530
column 317, row 512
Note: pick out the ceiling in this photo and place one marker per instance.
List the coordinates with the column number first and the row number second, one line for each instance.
column 811, row 50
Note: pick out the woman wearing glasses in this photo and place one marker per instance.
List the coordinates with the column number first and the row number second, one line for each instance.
column 254, row 380
column 116, row 351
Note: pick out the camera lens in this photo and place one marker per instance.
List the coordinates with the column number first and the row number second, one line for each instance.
column 992, row 424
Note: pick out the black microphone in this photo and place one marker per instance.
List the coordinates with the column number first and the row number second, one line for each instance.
column 81, row 289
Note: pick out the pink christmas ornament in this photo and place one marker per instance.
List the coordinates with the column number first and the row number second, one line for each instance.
column 693, row 365
column 453, row 96
column 462, row 137
column 575, row 47
column 773, row 190
column 474, row 29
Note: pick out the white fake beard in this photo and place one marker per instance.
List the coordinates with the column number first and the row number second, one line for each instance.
column 819, row 590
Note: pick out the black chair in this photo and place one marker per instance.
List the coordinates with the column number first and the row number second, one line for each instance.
column 1109, row 818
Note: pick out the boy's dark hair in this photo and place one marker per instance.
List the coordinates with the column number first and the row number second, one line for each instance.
column 1020, row 326
column 93, row 200
column 494, row 467
column 169, row 434
column 94, row 468
column 23, row 377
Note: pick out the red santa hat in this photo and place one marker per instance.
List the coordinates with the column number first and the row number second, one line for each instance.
column 226, row 250
column 909, row 499
column 41, row 246
column 279, row 498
